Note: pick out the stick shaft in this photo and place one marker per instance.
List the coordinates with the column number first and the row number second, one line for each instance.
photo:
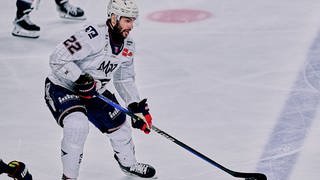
column 256, row 176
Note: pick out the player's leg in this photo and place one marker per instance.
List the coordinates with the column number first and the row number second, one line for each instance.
column 123, row 146
column 70, row 113
column 69, row 11
column 75, row 131
column 113, row 122
column 23, row 27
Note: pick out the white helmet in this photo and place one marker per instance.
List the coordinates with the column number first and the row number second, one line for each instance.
column 126, row 8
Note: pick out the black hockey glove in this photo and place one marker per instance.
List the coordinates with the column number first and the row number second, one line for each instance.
column 18, row 171
column 3, row 167
column 85, row 86
column 141, row 110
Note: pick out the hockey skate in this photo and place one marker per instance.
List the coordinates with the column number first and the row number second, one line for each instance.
column 68, row 11
column 23, row 27
column 138, row 169
column 64, row 177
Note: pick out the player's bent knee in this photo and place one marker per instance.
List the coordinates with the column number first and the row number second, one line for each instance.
column 76, row 128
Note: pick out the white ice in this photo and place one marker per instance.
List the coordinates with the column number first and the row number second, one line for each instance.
column 218, row 85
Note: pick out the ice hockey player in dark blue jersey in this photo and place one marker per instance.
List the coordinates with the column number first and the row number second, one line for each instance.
column 15, row 169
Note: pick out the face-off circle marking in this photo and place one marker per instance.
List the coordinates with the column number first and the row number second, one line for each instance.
column 179, row 16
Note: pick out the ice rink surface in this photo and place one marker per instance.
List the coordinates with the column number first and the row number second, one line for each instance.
column 241, row 87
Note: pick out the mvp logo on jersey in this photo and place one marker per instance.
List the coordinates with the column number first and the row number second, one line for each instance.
column 109, row 67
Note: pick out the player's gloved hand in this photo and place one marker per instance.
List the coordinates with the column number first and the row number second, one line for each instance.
column 85, row 86
column 141, row 110
column 3, row 166
column 18, row 171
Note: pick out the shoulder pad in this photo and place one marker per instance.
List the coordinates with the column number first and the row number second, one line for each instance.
column 94, row 36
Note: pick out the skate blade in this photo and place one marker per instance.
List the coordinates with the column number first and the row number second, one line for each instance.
column 136, row 176
column 20, row 32
column 68, row 17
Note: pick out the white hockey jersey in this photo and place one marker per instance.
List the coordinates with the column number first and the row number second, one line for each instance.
column 89, row 51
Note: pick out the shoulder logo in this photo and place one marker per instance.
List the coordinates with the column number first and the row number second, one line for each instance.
column 92, row 32
column 129, row 43
column 126, row 53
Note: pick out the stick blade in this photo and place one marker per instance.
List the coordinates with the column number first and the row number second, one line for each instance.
column 252, row 176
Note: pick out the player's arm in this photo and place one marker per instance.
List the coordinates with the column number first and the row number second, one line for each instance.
column 3, row 167
column 124, row 82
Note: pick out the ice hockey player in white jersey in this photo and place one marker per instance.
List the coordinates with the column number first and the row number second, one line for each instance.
column 81, row 67
column 23, row 27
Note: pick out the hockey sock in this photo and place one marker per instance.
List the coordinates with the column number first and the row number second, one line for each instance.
column 75, row 132
column 123, row 146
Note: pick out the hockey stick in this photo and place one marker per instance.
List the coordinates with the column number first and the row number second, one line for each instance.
column 247, row 176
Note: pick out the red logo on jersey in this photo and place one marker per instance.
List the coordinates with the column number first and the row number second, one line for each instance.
column 126, row 53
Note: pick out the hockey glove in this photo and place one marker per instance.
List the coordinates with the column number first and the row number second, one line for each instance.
column 18, row 171
column 142, row 111
column 3, row 167
column 85, row 86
